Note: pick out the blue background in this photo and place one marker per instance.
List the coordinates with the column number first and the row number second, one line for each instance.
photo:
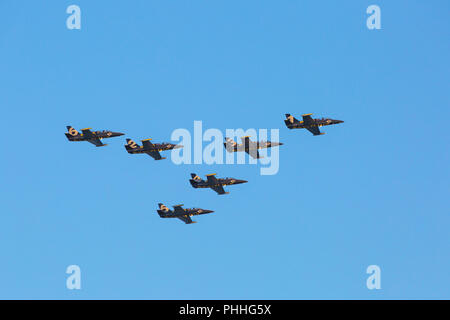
column 374, row 190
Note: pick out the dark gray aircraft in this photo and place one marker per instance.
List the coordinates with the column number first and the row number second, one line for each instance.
column 312, row 125
column 93, row 137
column 213, row 183
column 180, row 213
column 249, row 146
column 150, row 148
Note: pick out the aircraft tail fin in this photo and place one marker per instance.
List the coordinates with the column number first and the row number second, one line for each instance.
column 195, row 177
column 71, row 132
column 131, row 145
column 195, row 180
column 230, row 145
column 290, row 119
column 163, row 210
column 230, row 141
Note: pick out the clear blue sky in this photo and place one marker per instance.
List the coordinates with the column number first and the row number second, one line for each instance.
column 374, row 190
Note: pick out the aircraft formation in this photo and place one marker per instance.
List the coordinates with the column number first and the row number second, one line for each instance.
column 211, row 182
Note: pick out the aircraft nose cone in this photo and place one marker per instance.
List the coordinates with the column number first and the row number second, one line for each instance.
column 117, row 134
column 208, row 211
column 241, row 181
column 280, row 144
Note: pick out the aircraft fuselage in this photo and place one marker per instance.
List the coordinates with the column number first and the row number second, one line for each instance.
column 186, row 212
column 156, row 147
column 316, row 123
column 95, row 134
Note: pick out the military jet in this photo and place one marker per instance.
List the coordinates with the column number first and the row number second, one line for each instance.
column 249, row 146
column 312, row 125
column 93, row 137
column 213, row 183
column 180, row 213
column 150, row 148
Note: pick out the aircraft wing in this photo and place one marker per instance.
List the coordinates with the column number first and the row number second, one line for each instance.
column 211, row 179
column 219, row 189
column 186, row 219
column 147, row 144
column 155, row 155
column 152, row 152
column 246, row 141
column 214, row 184
column 90, row 137
column 252, row 147
column 307, row 119
column 254, row 153
column 314, row 130
column 87, row 133
column 178, row 209
column 96, row 141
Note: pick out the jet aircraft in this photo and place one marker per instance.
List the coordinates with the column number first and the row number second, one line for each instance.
column 93, row 137
column 249, row 146
column 213, row 183
column 150, row 148
column 181, row 213
column 312, row 125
